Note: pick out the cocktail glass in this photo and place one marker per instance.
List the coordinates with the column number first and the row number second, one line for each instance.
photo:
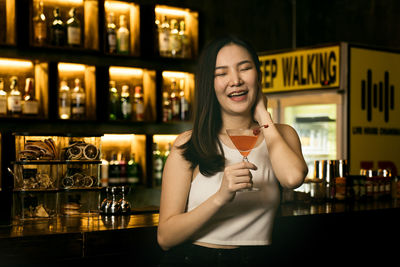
column 244, row 140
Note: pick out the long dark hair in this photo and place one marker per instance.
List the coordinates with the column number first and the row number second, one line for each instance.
column 204, row 147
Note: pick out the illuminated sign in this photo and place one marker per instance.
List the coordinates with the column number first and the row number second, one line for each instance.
column 314, row 68
column 374, row 110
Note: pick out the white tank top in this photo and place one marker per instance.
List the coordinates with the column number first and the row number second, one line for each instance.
column 249, row 218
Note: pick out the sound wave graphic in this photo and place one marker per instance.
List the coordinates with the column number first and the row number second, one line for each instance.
column 377, row 95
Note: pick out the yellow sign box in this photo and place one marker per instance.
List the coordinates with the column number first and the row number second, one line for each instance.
column 314, row 68
column 374, row 110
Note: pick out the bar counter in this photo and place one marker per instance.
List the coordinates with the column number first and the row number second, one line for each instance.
column 308, row 232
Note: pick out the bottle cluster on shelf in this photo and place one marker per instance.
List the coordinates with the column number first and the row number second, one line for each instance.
column 55, row 29
column 74, row 24
column 72, row 103
column 121, row 170
column 118, row 37
column 173, row 40
column 15, row 103
column 124, row 106
column 175, row 101
column 332, row 182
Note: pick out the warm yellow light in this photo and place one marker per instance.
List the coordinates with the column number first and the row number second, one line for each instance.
column 65, row 67
column 116, row 6
column 174, row 74
column 164, row 138
column 13, row 63
column 69, row 2
column 170, row 11
column 123, row 71
column 118, row 137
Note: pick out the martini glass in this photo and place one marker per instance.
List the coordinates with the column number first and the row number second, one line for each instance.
column 244, row 140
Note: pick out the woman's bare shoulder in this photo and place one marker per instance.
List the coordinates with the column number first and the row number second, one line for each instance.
column 183, row 138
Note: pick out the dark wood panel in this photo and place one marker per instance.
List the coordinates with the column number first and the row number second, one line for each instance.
column 40, row 249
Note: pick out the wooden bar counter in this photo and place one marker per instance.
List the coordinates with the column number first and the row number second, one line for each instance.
column 304, row 233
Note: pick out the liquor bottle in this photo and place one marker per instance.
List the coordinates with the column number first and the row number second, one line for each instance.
column 113, row 171
column 157, row 165
column 111, row 34
column 138, row 103
column 30, row 105
column 40, row 25
column 184, row 105
column 167, row 110
column 175, row 103
column 175, row 44
column 57, row 29
column 133, row 171
column 114, row 102
column 123, row 175
column 126, row 106
column 3, row 99
column 186, row 51
column 14, row 98
column 78, row 101
column 123, row 36
column 73, row 29
column 64, row 101
column 163, row 37
column 104, row 172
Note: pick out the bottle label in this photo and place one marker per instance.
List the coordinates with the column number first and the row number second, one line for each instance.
column 30, row 108
column 139, row 111
column 175, row 108
column 40, row 32
column 74, row 35
column 123, row 44
column 126, row 108
column 58, row 37
column 3, row 105
column 112, row 42
column 164, row 41
column 158, row 164
column 78, row 110
column 175, row 44
column 14, row 103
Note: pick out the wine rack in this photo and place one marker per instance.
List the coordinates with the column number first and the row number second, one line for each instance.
column 56, row 175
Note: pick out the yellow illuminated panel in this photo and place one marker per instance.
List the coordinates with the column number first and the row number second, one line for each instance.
column 174, row 74
column 165, row 10
column 118, row 138
column 123, row 71
column 164, row 138
column 13, row 63
column 67, row 67
column 64, row 2
column 116, row 6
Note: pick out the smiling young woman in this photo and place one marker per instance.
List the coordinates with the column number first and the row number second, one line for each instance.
column 204, row 217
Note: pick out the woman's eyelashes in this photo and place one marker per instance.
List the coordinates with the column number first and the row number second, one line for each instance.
column 220, row 74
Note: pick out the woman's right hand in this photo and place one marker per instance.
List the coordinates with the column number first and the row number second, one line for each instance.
column 236, row 177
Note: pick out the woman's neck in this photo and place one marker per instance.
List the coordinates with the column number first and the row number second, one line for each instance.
column 236, row 123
